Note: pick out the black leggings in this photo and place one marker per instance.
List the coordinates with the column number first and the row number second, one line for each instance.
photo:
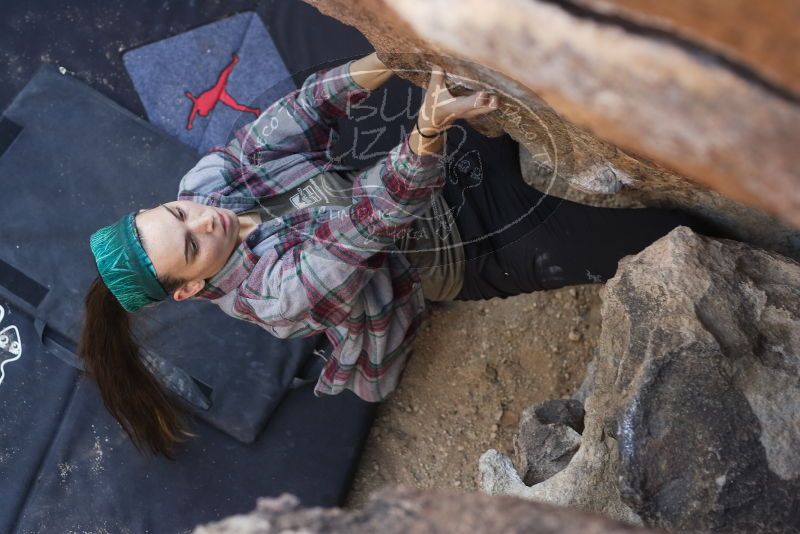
column 518, row 239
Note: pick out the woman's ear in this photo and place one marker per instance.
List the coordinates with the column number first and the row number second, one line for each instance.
column 188, row 290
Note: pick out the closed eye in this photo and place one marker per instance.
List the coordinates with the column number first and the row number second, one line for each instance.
column 195, row 247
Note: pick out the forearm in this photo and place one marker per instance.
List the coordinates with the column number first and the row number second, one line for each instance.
column 425, row 147
column 369, row 72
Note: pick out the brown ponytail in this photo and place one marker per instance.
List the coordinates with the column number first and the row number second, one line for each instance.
column 129, row 391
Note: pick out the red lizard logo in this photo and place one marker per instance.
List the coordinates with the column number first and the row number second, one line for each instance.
column 205, row 102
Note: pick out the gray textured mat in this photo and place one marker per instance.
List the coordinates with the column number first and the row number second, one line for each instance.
column 80, row 162
column 231, row 69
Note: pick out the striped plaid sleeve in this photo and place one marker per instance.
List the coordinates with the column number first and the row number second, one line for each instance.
column 302, row 124
column 389, row 197
column 304, row 121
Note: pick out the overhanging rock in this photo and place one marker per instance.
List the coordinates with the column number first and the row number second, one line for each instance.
column 663, row 96
column 693, row 415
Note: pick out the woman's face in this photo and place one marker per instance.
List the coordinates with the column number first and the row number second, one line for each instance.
column 188, row 240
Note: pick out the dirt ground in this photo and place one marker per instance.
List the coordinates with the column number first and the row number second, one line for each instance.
column 475, row 368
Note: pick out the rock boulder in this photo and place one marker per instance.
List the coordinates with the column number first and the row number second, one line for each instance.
column 406, row 511
column 548, row 437
column 621, row 110
column 693, row 416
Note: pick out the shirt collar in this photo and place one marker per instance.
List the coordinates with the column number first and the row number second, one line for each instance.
column 235, row 271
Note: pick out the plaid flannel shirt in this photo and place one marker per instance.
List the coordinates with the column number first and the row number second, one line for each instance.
column 328, row 269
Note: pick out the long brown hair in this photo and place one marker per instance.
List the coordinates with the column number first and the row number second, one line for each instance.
column 130, row 392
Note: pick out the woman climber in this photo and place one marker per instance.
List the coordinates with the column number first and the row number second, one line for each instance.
column 274, row 232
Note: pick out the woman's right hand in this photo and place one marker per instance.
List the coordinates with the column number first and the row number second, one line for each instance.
column 440, row 108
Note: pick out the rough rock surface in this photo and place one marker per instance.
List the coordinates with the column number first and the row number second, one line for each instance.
column 405, row 511
column 545, row 50
column 702, row 368
column 589, row 482
column 695, row 401
column 563, row 411
column 768, row 44
column 548, row 437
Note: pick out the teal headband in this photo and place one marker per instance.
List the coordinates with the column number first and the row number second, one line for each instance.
column 124, row 265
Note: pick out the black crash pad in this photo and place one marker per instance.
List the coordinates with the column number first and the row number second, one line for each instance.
column 67, row 466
